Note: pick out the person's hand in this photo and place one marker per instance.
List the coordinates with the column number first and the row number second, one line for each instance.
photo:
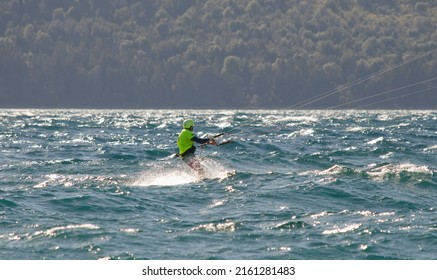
column 212, row 142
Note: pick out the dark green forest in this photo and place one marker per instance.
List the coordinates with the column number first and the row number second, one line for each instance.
column 216, row 53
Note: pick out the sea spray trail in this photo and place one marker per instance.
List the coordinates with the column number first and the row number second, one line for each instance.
column 173, row 173
column 90, row 184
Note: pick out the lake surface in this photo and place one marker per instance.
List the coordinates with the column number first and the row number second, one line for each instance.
column 103, row 184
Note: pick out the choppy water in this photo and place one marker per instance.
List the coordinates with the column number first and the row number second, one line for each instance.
column 293, row 185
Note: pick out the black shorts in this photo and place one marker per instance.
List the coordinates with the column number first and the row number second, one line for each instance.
column 188, row 153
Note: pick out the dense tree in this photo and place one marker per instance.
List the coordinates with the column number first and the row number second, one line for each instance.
column 215, row 53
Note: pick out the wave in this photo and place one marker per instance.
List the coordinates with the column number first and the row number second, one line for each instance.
column 64, row 229
column 345, row 229
column 431, row 149
column 291, row 225
column 403, row 172
column 226, row 226
column 333, row 170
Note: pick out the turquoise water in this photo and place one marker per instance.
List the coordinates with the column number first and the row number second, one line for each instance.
column 293, row 185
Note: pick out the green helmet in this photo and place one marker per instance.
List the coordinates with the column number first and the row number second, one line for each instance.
column 188, row 124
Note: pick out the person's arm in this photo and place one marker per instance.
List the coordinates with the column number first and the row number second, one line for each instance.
column 200, row 140
column 203, row 140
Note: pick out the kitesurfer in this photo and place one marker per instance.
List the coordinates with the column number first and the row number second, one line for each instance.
column 186, row 140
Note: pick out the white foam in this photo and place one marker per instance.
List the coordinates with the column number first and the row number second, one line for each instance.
column 336, row 169
column 386, row 156
column 224, row 124
column 164, row 174
column 130, row 230
column 226, row 226
column 217, row 203
column 358, row 129
column 68, row 180
column 432, row 148
column 166, row 178
column 54, row 230
column 395, row 170
column 302, row 132
column 346, row 228
column 375, row 141
column 333, row 170
column 297, row 119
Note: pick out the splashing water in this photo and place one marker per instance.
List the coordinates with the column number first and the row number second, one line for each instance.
column 178, row 173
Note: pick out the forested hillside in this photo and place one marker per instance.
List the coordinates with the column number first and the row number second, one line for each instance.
column 215, row 53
